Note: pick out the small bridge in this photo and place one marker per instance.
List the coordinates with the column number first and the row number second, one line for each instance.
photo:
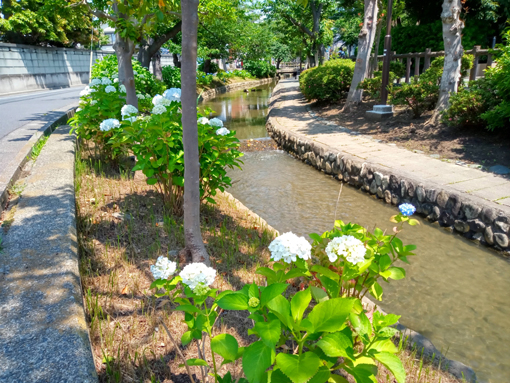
column 289, row 68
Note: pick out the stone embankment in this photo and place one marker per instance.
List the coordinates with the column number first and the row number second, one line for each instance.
column 211, row 93
column 468, row 201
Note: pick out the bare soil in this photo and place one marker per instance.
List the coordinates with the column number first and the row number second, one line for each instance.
column 472, row 146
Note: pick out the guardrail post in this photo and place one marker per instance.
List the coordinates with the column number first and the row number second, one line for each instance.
column 474, row 70
column 426, row 64
column 489, row 58
column 408, row 69
column 416, row 65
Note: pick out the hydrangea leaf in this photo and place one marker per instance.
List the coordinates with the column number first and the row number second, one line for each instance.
column 337, row 345
column 256, row 360
column 299, row 303
column 363, row 373
column 281, row 308
column 225, row 345
column 269, row 332
column 272, row 291
column 299, row 368
column 234, row 301
column 392, row 363
column 330, row 315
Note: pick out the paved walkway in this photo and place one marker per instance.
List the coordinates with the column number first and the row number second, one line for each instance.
column 291, row 113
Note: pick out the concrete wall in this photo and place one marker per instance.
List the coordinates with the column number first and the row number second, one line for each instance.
column 25, row 67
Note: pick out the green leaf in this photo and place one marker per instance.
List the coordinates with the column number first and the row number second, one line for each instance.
column 267, row 272
column 225, row 345
column 281, row 308
column 187, row 309
column 253, row 291
column 384, row 262
column 272, row 291
column 294, row 273
column 332, row 287
column 337, row 345
column 330, row 315
column 384, row 346
column 392, row 363
column 325, row 271
column 337, row 379
column 319, row 294
column 321, row 376
column 277, row 376
column 234, row 301
column 269, row 332
column 256, row 360
column 363, row 373
column 186, row 338
column 376, row 291
column 299, row 303
column 397, row 273
column 413, row 222
column 195, row 362
column 299, row 368
column 361, row 324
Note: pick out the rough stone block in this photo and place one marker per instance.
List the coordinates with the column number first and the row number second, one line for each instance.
column 387, row 196
column 471, row 210
column 420, row 193
column 461, row 226
column 442, row 199
column 476, row 225
column 501, row 240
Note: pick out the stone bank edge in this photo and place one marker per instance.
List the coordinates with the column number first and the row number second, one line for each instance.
column 473, row 217
column 211, row 93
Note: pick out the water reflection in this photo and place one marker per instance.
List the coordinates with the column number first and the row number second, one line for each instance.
column 243, row 112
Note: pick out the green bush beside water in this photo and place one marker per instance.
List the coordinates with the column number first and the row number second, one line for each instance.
column 260, row 69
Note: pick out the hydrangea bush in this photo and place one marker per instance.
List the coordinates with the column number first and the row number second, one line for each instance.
column 307, row 335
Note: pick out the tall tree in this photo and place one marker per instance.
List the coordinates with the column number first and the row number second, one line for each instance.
column 365, row 43
column 452, row 37
column 192, row 234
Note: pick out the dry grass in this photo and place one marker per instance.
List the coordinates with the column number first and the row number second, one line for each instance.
column 123, row 227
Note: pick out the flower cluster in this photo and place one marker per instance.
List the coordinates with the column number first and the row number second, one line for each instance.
column 158, row 109
column 95, row 81
column 128, row 110
column 110, row 89
column 348, row 247
column 140, row 96
column 160, row 100
column 201, row 290
column 86, row 91
column 203, row 121
column 289, row 247
column 254, row 302
column 109, row 124
column 163, row 268
column 122, row 88
column 173, row 94
column 196, row 273
column 222, row 132
column 407, row 209
column 216, row 122
column 106, row 81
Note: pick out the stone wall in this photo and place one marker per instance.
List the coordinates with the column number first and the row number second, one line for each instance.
column 474, row 218
column 25, row 67
column 211, row 93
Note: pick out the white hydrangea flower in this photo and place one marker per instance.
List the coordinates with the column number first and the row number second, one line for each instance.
column 158, row 109
column 78, row 110
column 173, row 94
column 109, row 124
column 196, row 273
column 116, row 80
column 135, row 72
column 203, row 121
column 160, row 100
column 163, row 268
column 122, row 88
column 222, row 132
column 348, row 247
column 95, row 81
column 289, row 247
column 127, row 110
column 93, row 102
column 216, row 122
column 106, row 81
column 110, row 89
column 140, row 96
column 115, row 75
column 141, row 76
column 130, row 119
column 86, row 91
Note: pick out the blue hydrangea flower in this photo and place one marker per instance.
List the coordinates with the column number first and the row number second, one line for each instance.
column 407, row 209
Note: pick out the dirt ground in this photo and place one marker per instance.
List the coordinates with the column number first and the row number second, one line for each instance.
column 472, row 146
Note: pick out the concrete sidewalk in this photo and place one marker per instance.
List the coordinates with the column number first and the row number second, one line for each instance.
column 291, row 112
column 471, row 201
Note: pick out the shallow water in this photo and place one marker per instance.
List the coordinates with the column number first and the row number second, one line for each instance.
column 243, row 112
column 455, row 293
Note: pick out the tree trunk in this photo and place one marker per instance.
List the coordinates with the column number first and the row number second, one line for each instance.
column 144, row 56
column 452, row 37
column 278, row 64
column 207, row 66
column 150, row 47
column 375, row 66
column 365, row 43
column 156, row 66
column 124, row 50
column 177, row 63
column 192, row 234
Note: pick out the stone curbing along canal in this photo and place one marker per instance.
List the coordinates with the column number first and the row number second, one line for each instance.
column 429, row 184
column 211, row 93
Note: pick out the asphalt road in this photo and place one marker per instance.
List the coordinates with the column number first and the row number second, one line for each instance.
column 20, row 109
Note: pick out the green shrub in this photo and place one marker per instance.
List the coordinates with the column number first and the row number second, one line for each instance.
column 372, row 86
column 328, row 82
column 145, row 82
column 499, row 115
column 422, row 93
column 213, row 67
column 396, row 67
column 204, row 79
column 469, row 104
column 260, row 69
column 172, row 76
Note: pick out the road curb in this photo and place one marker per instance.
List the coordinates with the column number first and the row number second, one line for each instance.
column 14, row 169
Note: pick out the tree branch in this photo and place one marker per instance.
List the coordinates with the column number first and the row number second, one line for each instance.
column 156, row 45
column 299, row 25
column 98, row 14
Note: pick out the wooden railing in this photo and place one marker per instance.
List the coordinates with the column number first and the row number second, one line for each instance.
column 428, row 54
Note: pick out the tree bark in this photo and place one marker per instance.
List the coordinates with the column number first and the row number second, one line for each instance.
column 365, row 43
column 452, row 37
column 148, row 48
column 375, row 66
column 156, row 65
column 192, row 234
column 177, row 63
column 207, row 66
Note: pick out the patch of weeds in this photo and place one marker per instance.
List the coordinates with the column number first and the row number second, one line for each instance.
column 17, row 189
column 36, row 150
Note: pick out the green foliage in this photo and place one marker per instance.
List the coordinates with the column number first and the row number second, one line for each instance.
column 329, row 330
column 213, row 67
column 145, row 82
column 398, row 68
column 469, row 104
column 328, row 82
column 204, row 79
column 499, row 77
column 260, row 69
column 422, row 93
column 171, row 76
column 372, row 86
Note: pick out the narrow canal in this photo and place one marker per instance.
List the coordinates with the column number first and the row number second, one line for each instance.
column 455, row 292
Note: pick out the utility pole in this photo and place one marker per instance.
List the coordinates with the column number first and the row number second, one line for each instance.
column 387, row 55
column 91, row 52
